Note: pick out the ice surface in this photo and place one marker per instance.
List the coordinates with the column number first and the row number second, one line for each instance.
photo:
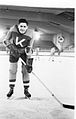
column 57, row 75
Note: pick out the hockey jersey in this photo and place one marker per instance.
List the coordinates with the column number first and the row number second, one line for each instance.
column 19, row 40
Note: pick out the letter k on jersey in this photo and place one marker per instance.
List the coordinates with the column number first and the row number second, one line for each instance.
column 19, row 42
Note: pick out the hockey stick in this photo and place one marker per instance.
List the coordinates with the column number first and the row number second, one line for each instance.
column 64, row 105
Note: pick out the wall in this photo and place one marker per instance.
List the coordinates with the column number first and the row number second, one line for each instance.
column 46, row 39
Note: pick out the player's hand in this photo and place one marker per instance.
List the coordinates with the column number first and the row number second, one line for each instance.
column 13, row 50
column 28, row 51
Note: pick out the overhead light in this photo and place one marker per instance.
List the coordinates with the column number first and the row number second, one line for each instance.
column 37, row 35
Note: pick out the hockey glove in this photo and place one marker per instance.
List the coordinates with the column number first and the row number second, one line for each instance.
column 13, row 50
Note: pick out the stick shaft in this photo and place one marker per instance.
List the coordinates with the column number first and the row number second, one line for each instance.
column 47, row 88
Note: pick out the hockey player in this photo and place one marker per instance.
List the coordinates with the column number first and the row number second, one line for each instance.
column 53, row 50
column 18, row 40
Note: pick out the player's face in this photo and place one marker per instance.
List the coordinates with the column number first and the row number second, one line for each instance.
column 22, row 28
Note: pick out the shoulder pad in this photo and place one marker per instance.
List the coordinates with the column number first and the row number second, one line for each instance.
column 13, row 28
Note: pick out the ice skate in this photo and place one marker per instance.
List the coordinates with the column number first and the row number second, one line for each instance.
column 27, row 94
column 9, row 94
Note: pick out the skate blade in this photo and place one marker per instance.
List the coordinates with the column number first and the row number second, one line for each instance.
column 10, row 98
column 27, row 97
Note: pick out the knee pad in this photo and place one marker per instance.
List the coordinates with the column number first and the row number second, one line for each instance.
column 13, row 68
column 29, row 68
column 25, row 74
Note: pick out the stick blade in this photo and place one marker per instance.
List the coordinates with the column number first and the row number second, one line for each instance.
column 69, row 106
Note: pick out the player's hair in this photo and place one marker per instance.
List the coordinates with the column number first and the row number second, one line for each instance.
column 23, row 21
